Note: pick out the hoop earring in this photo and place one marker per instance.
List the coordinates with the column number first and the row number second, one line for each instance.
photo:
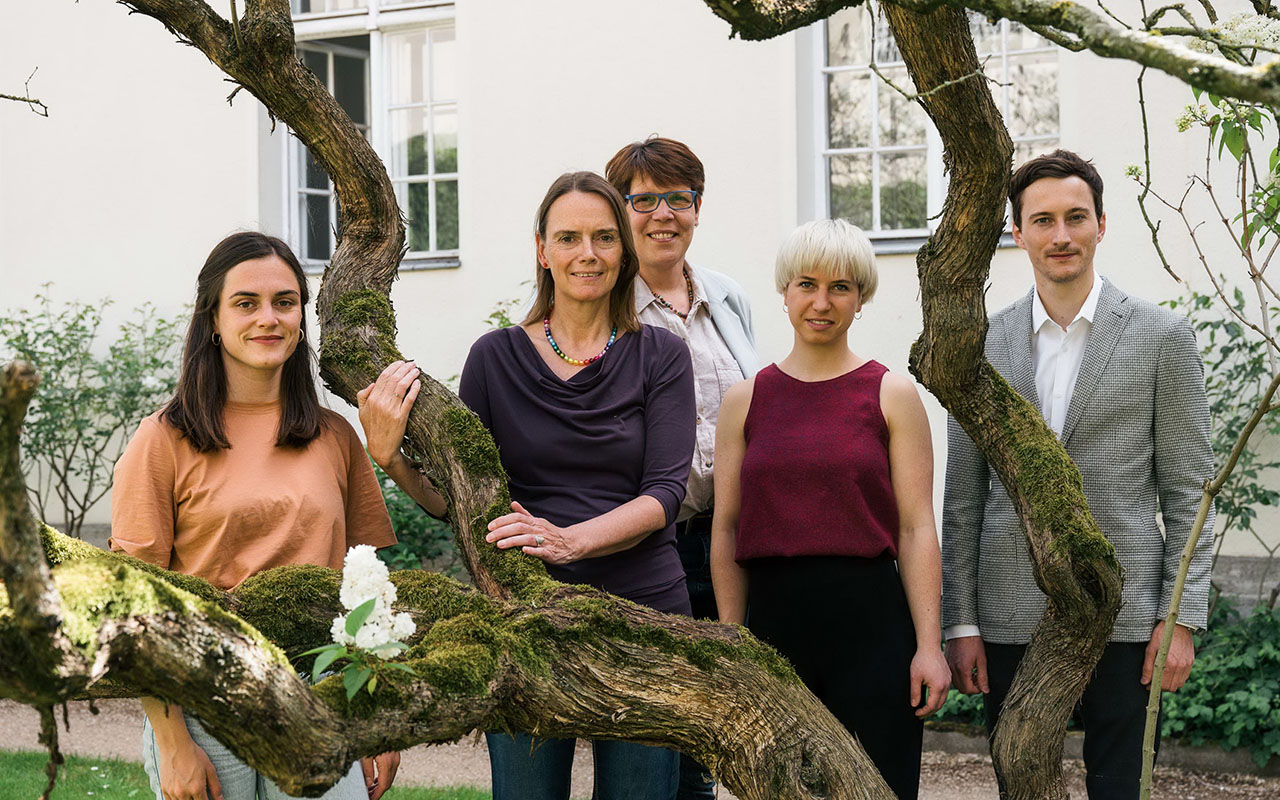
column 216, row 339
column 858, row 315
column 302, row 335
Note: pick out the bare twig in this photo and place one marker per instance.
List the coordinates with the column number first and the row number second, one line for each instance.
column 33, row 103
column 1154, row 227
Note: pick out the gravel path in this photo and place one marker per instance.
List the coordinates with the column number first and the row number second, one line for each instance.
column 115, row 733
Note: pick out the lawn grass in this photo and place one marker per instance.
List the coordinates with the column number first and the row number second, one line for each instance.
column 22, row 778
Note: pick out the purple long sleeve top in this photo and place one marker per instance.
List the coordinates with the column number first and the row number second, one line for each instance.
column 574, row 449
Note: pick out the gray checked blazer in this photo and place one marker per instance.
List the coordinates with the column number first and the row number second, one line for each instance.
column 1138, row 428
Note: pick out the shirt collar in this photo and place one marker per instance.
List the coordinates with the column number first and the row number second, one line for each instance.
column 1039, row 316
column 644, row 295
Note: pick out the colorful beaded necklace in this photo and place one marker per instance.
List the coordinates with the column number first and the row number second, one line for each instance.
column 662, row 301
column 546, row 327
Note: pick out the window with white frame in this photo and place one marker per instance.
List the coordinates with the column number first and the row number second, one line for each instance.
column 881, row 159
column 391, row 66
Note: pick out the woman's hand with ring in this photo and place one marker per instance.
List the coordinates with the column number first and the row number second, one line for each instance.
column 533, row 535
column 384, row 409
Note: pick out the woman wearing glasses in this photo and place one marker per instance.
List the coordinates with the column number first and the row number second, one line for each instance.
column 663, row 183
column 594, row 420
column 824, row 525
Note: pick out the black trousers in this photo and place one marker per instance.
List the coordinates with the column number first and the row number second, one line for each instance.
column 1113, row 713
column 844, row 624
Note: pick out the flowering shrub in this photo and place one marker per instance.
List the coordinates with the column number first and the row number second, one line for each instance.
column 369, row 632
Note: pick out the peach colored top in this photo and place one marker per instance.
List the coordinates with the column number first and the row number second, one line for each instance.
column 226, row 515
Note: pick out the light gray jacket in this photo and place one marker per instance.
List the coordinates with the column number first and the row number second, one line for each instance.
column 731, row 312
column 1138, row 428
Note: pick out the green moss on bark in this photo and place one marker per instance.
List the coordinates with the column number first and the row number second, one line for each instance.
column 95, row 591
column 362, row 308
column 293, row 605
column 61, row 549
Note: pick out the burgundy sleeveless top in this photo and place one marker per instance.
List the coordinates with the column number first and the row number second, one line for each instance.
column 815, row 475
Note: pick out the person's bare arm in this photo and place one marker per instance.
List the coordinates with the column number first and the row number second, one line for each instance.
column 185, row 770
column 727, row 576
column 919, row 559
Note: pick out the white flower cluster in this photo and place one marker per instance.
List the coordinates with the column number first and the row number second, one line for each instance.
column 1251, row 29
column 363, row 577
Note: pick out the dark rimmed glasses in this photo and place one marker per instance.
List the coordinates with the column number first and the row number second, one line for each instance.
column 647, row 202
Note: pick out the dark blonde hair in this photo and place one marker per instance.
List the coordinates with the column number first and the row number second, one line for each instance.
column 622, row 308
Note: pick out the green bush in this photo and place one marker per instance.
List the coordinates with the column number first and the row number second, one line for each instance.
column 89, row 402
column 425, row 542
column 1233, row 694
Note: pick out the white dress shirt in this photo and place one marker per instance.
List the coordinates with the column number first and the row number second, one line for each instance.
column 1057, row 353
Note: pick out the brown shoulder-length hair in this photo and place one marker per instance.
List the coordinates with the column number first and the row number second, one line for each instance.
column 197, row 406
column 622, row 307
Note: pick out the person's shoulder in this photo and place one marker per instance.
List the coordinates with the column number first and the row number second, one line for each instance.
column 660, row 339
column 155, row 428
column 1151, row 315
column 336, row 423
column 895, row 387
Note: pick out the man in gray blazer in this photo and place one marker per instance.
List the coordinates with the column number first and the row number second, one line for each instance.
column 1121, row 382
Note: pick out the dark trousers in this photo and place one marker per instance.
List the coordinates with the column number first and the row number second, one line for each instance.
column 844, row 624
column 693, row 542
column 1113, row 713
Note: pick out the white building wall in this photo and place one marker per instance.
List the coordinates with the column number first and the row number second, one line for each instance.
column 141, row 166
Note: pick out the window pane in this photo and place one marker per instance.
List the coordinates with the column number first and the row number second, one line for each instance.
column 407, row 54
column 446, row 140
column 903, row 191
column 409, row 142
column 419, row 207
column 902, row 121
column 318, row 63
column 443, row 69
column 317, row 6
column 350, row 87
column 849, row 109
column 851, row 189
column 315, row 227
column 886, row 48
column 1033, row 97
column 1022, row 39
column 316, row 177
column 1025, row 151
column 447, row 215
column 986, row 34
column 848, row 40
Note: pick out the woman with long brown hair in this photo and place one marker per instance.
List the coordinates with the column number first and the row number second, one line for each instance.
column 243, row 470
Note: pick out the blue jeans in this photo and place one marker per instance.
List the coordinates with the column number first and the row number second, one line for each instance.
column 525, row 768
column 239, row 780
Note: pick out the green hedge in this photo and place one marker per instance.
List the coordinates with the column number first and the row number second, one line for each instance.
column 1232, row 696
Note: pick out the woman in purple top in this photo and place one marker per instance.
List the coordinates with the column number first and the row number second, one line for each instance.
column 593, row 414
column 823, row 541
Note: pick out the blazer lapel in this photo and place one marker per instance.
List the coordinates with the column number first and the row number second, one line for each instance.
column 1022, row 368
column 1109, row 321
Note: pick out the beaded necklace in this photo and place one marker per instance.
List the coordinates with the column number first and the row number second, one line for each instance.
column 662, row 301
column 546, row 327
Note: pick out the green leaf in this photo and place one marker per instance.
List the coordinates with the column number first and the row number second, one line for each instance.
column 401, row 667
column 321, row 649
column 324, row 660
column 372, row 684
column 1196, row 91
column 357, row 617
column 353, row 678
column 397, row 646
column 1233, row 138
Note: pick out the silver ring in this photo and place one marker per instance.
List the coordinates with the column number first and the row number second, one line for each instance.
column 538, row 540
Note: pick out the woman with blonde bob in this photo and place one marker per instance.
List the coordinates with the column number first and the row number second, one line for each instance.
column 823, row 541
